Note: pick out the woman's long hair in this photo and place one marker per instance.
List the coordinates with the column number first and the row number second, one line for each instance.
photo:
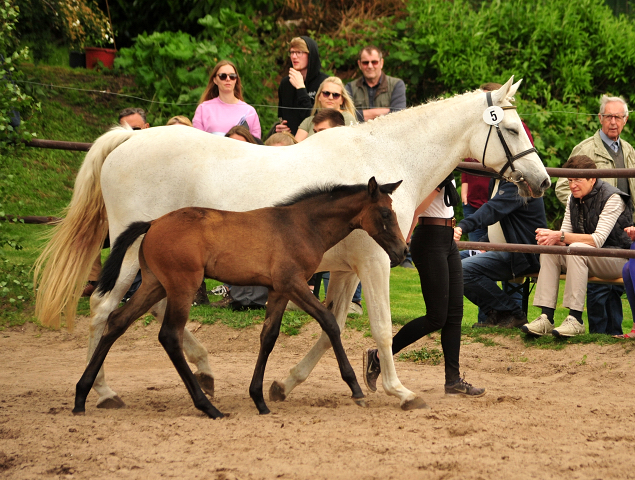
column 211, row 91
column 347, row 103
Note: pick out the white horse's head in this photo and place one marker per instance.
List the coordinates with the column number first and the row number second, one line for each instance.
column 502, row 143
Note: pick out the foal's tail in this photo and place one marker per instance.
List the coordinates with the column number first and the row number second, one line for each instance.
column 112, row 268
column 64, row 265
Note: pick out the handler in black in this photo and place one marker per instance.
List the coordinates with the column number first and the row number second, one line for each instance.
column 438, row 262
column 296, row 93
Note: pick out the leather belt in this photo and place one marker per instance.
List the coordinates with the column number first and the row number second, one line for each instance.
column 443, row 222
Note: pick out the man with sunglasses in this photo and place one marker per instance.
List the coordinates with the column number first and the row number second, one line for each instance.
column 375, row 93
column 607, row 150
column 135, row 118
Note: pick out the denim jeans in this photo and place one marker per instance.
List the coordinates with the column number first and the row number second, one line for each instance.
column 480, row 276
column 604, row 308
column 357, row 296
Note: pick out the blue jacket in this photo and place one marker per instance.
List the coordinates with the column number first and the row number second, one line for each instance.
column 519, row 218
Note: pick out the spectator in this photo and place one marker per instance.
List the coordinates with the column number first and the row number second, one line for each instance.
column 327, row 118
column 509, row 218
column 135, row 118
column 180, row 120
column 281, row 139
column 221, row 105
column 297, row 92
column 628, row 274
column 596, row 216
column 607, row 150
column 241, row 134
column 439, row 265
column 330, row 95
column 375, row 93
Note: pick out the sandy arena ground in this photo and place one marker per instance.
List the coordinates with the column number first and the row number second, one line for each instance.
column 547, row 414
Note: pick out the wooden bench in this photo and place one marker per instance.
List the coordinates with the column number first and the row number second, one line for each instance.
column 526, row 283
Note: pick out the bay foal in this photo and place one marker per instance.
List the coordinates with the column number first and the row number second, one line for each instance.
column 277, row 247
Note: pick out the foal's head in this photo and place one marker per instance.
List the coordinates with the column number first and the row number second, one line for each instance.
column 380, row 221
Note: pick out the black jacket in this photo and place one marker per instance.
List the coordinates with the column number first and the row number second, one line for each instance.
column 519, row 218
column 301, row 100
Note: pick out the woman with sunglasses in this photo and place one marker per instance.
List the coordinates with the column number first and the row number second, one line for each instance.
column 330, row 94
column 221, row 106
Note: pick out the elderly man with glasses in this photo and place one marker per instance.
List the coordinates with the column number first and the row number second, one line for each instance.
column 596, row 216
column 607, row 150
column 375, row 93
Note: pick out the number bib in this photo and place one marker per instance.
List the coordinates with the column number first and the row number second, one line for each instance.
column 493, row 115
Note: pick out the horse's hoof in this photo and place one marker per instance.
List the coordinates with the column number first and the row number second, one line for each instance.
column 360, row 401
column 206, row 382
column 111, row 403
column 276, row 392
column 415, row 404
column 79, row 412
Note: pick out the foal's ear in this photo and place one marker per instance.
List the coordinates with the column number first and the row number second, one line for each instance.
column 502, row 93
column 373, row 188
column 389, row 187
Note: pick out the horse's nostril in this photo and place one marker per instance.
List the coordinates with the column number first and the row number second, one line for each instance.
column 546, row 183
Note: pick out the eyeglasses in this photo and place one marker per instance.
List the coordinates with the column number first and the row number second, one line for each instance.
column 297, row 53
column 333, row 94
column 576, row 181
column 223, row 76
column 366, row 62
column 617, row 118
column 136, row 128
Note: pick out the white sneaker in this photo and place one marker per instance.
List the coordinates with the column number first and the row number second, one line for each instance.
column 541, row 326
column 355, row 309
column 569, row 328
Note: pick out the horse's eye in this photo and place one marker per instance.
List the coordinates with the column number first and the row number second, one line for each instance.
column 513, row 131
column 385, row 214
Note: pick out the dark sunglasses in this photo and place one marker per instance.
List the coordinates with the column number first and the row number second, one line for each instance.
column 328, row 94
column 223, row 76
column 136, row 128
column 366, row 62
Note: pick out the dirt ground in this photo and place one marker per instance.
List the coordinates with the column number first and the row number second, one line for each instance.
column 547, row 414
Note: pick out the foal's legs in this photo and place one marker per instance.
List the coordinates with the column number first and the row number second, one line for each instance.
column 307, row 301
column 268, row 336
column 194, row 351
column 101, row 308
column 341, row 288
column 171, row 337
column 118, row 322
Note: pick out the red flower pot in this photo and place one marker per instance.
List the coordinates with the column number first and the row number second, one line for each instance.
column 104, row 55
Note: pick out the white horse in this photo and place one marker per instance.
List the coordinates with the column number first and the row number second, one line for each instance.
column 140, row 175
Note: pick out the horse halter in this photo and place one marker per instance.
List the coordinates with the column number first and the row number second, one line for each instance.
column 516, row 175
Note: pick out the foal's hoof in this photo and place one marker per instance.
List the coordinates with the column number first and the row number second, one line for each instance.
column 206, row 382
column 415, row 404
column 360, row 401
column 79, row 412
column 111, row 403
column 276, row 392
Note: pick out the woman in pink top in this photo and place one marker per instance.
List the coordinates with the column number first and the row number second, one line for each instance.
column 221, row 106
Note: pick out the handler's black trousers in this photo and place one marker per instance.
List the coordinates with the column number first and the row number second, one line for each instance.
column 438, row 262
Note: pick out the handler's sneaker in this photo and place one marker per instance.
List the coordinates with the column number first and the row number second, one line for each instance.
column 463, row 389
column 371, row 368
column 541, row 326
column 569, row 328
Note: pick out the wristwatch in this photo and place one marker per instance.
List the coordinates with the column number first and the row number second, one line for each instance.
column 562, row 237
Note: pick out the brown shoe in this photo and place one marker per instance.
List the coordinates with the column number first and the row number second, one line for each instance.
column 224, row 303
column 511, row 320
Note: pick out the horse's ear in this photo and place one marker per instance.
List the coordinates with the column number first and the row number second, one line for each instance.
column 502, row 93
column 514, row 88
column 389, row 187
column 373, row 189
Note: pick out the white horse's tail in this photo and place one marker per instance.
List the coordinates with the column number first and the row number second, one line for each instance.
column 76, row 241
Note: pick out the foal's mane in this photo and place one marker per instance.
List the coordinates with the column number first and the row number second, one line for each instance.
column 333, row 190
